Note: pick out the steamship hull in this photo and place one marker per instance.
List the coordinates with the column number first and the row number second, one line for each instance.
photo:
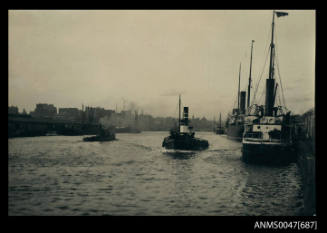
column 268, row 153
column 235, row 132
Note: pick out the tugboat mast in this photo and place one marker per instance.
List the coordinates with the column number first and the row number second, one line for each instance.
column 249, row 87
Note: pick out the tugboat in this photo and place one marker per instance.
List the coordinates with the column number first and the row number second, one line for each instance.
column 104, row 135
column 219, row 129
column 183, row 137
column 268, row 130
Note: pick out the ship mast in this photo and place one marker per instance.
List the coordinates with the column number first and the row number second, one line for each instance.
column 249, row 87
column 272, row 49
column 238, row 93
column 220, row 120
column 270, row 82
column 179, row 113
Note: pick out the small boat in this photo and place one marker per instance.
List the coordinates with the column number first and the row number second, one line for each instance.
column 104, row 135
column 183, row 137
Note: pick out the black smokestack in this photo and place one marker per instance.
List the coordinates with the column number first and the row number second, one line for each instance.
column 185, row 115
column 270, row 86
column 242, row 105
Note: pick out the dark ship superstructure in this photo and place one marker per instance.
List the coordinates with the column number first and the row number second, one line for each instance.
column 183, row 138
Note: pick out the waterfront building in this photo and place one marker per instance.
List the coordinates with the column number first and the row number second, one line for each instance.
column 13, row 110
column 70, row 114
column 44, row 111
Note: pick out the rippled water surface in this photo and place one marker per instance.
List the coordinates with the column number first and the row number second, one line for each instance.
column 63, row 175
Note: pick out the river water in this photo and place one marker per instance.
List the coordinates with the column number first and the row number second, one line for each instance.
column 63, row 175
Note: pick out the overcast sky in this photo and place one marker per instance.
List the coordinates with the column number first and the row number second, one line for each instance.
column 105, row 58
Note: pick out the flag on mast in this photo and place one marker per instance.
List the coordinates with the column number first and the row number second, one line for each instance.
column 280, row 14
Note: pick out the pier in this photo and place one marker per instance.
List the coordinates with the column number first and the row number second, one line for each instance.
column 19, row 126
column 306, row 159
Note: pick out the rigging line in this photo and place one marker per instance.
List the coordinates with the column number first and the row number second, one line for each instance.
column 232, row 108
column 280, row 102
column 256, row 88
column 176, row 111
column 267, row 53
column 280, row 79
column 260, row 99
column 234, row 103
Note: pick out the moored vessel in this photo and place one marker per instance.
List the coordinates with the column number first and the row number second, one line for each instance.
column 268, row 129
column 235, row 120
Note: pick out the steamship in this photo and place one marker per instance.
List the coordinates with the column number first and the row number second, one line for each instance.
column 235, row 121
column 183, row 138
column 267, row 135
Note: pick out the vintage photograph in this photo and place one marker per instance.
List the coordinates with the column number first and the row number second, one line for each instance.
column 161, row 112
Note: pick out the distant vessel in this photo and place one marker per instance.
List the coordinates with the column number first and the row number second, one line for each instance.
column 219, row 129
column 235, row 121
column 267, row 136
column 104, row 135
column 183, row 137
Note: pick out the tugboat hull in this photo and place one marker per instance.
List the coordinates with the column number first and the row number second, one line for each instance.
column 268, row 153
column 185, row 144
